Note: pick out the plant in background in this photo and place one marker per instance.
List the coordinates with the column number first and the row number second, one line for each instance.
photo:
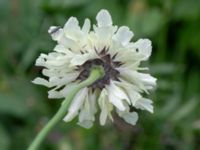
column 95, row 69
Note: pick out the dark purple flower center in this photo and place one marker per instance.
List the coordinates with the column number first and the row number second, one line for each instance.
column 107, row 62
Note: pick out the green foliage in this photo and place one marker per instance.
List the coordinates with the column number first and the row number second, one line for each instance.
column 4, row 139
column 173, row 27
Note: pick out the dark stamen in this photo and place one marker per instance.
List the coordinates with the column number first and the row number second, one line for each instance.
column 55, row 30
column 114, row 56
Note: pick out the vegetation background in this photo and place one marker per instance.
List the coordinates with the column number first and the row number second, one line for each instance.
column 174, row 28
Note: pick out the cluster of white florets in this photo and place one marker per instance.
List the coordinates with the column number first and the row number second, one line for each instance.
column 78, row 49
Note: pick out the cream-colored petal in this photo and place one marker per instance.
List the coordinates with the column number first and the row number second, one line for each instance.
column 131, row 90
column 106, row 107
column 73, row 31
column 76, row 104
column 134, row 96
column 92, row 97
column 116, row 102
column 103, row 36
column 80, row 59
column 59, row 72
column 41, row 81
column 129, row 117
column 69, row 77
column 144, row 104
column 40, row 61
column 54, row 94
column 67, row 89
column 143, row 81
column 103, row 116
column 85, row 113
column 86, row 116
column 55, row 32
column 127, row 56
column 102, row 103
column 148, row 80
column 86, row 124
column 69, row 43
column 103, row 18
column 86, row 26
column 144, row 48
column 123, row 35
column 62, row 49
column 115, row 98
column 56, row 63
column 72, row 24
column 118, row 92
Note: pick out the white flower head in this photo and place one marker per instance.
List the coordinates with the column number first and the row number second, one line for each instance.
column 78, row 49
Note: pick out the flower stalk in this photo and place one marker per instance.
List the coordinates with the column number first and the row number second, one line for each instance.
column 96, row 73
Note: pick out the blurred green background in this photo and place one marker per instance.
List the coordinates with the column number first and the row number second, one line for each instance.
column 174, row 28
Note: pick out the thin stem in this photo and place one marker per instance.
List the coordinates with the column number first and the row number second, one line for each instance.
column 96, row 73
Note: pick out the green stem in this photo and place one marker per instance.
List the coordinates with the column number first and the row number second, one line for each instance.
column 96, row 73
